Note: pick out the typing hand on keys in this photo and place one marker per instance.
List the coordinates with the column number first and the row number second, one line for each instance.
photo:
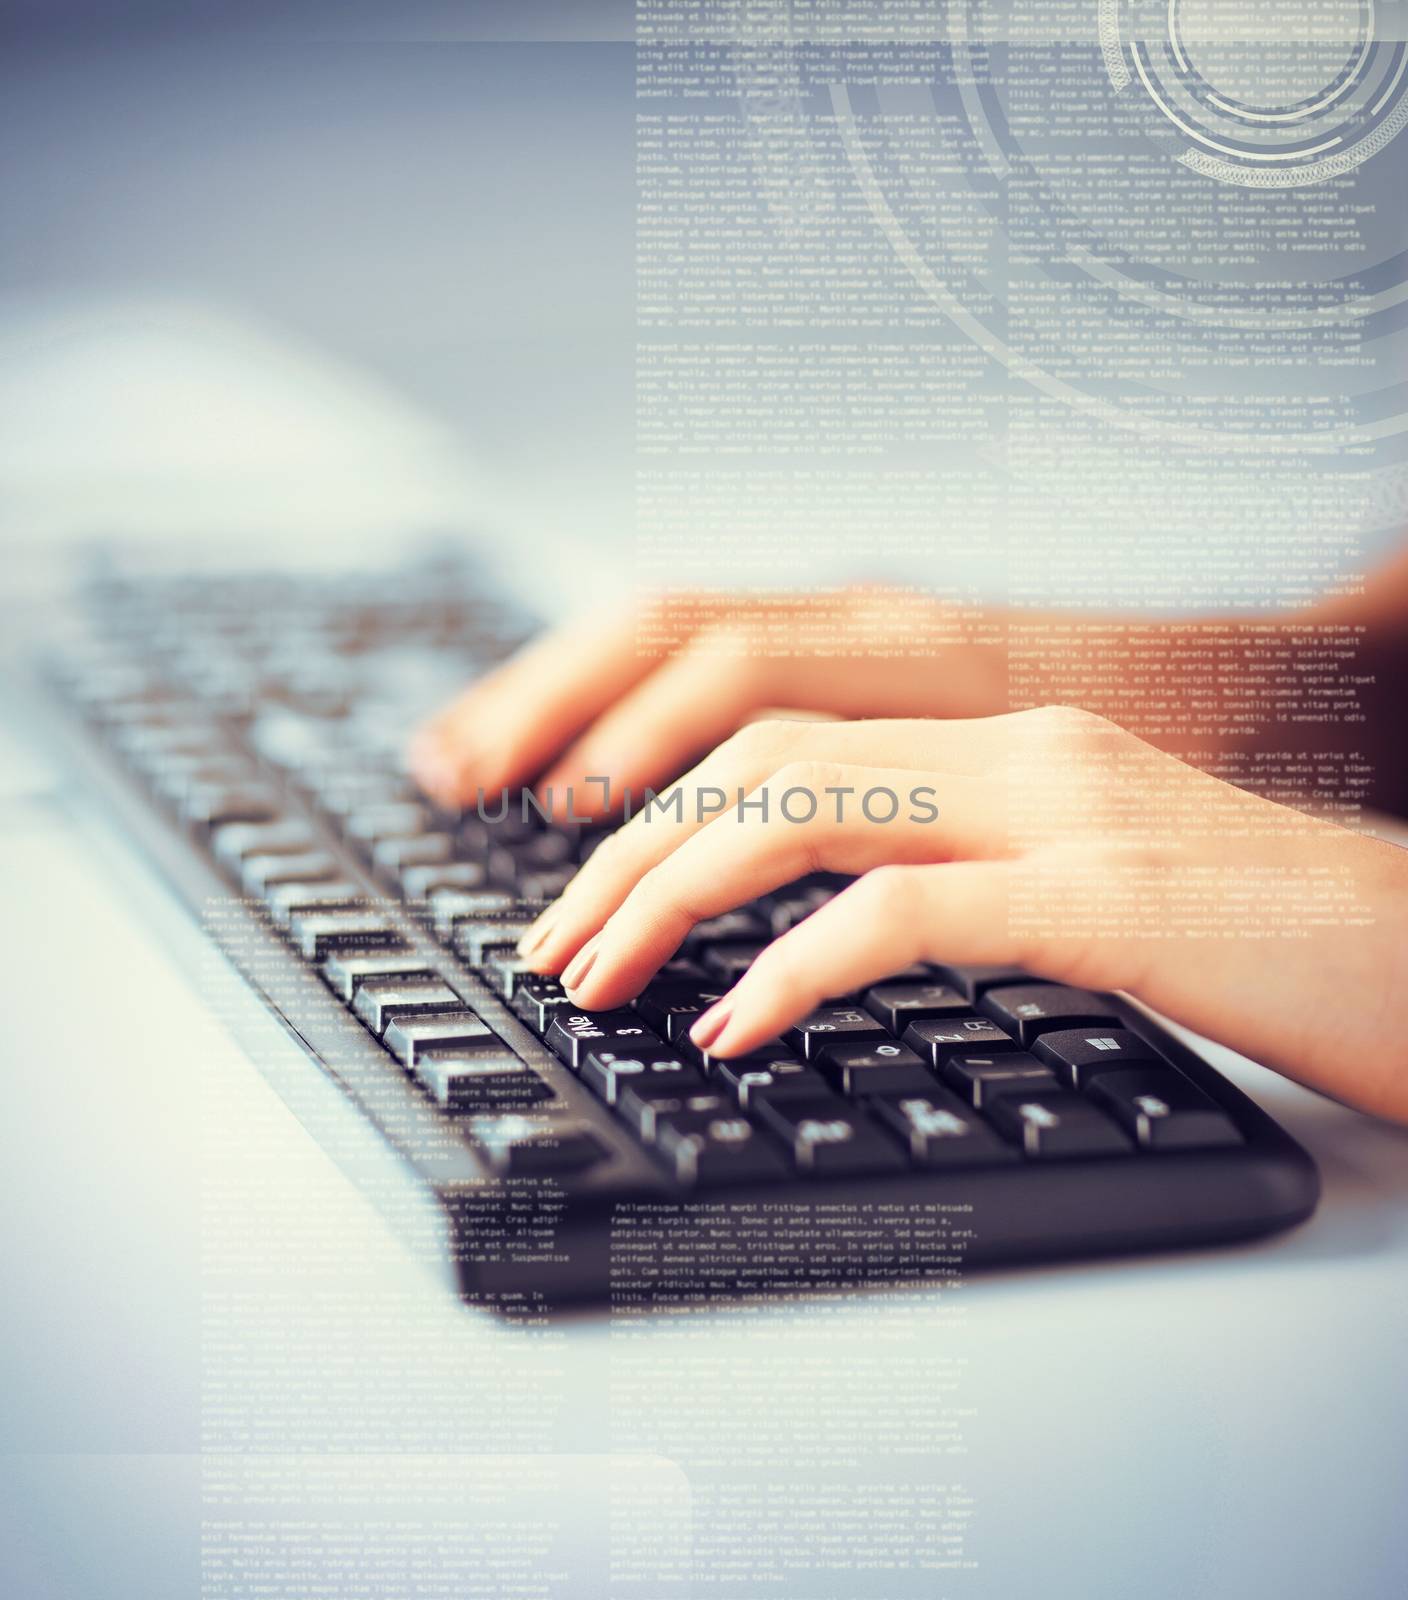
column 1048, row 842
column 873, row 977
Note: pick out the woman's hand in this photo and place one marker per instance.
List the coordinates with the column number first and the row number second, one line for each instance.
column 636, row 698
column 1049, row 839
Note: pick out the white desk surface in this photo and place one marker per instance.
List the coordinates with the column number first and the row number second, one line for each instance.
column 182, row 1260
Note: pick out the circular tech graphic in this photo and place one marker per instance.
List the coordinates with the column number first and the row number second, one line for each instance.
column 1055, row 150
column 1267, row 96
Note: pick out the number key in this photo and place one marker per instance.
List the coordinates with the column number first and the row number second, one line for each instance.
column 572, row 1034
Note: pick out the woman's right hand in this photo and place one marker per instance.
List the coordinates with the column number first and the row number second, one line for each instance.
column 638, row 697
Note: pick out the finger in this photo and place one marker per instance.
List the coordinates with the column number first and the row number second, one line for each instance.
column 737, row 767
column 608, row 874
column 504, row 729
column 761, row 846
column 702, row 695
column 688, row 705
column 891, row 917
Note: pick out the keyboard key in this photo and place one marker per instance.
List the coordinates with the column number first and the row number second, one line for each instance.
column 824, row 1025
column 705, row 1149
column 209, row 805
column 1078, row 1054
column 546, row 884
column 287, row 836
column 537, row 999
column 1029, row 1009
column 478, row 836
column 507, row 864
column 397, row 820
column 938, row 1038
column 147, row 744
column 606, row 1071
column 642, row 1104
column 535, row 1147
column 380, row 1001
column 671, row 1007
column 176, row 777
column 740, row 926
column 317, row 933
column 457, row 1030
column 828, row 1137
column 972, row 981
column 899, row 1004
column 416, row 850
column 1163, row 1110
column 283, row 900
column 981, row 1079
column 417, row 882
column 259, row 873
column 448, row 908
column 787, row 909
column 503, row 970
column 1057, row 1126
column 344, row 794
column 477, row 941
column 345, row 969
column 681, row 969
column 479, row 1079
column 866, row 1067
column 938, row 1130
column 767, row 1052
column 751, row 1082
column 726, row 963
column 571, row 1034
column 915, row 972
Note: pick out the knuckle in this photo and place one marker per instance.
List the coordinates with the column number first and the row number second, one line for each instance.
column 1069, row 719
column 1066, row 731
column 733, row 638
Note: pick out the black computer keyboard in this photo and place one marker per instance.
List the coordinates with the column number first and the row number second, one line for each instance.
column 250, row 731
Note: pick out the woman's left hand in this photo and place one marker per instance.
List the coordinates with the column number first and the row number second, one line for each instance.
column 1049, row 839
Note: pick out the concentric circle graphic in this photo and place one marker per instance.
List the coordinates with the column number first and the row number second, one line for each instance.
column 1307, row 100
column 1271, row 298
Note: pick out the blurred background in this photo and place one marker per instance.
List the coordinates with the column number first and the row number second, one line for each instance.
column 295, row 279
column 306, row 274
column 310, row 273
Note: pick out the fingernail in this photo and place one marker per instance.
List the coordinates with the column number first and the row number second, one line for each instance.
column 708, row 1027
column 581, row 964
column 542, row 926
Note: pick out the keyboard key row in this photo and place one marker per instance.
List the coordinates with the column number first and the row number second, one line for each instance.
column 861, row 1100
column 424, row 1024
column 983, row 1068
